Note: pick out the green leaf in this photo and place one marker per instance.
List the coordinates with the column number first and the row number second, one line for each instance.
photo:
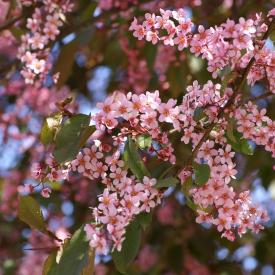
column 144, row 219
column 88, row 12
column 65, row 62
column 167, row 182
column 70, row 137
column 198, row 114
column 89, row 269
column 187, row 185
column 49, row 128
column 74, row 257
column 30, row 213
column 238, row 142
column 202, row 173
column 150, row 52
column 144, row 141
column 129, row 249
column 49, row 262
column 86, row 134
column 161, row 169
column 133, row 160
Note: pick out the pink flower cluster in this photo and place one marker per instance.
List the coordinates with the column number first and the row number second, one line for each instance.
column 118, row 4
column 228, row 211
column 43, row 29
column 134, row 115
column 138, row 76
column 256, row 126
column 175, row 33
column 143, row 113
column 230, row 45
column 31, row 104
column 123, row 198
column 118, row 208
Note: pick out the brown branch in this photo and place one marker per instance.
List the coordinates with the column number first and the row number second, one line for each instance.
column 10, row 22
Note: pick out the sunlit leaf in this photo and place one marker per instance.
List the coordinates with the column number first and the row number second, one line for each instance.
column 70, row 137
column 144, row 141
column 74, row 256
column 30, row 213
column 49, row 128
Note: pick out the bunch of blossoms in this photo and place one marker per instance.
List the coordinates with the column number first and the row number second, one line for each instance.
column 230, row 45
column 33, row 103
column 230, row 211
column 165, row 57
column 256, row 126
column 124, row 196
column 43, row 26
column 137, row 76
column 118, row 4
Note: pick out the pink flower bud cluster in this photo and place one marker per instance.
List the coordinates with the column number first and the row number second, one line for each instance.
column 43, row 26
column 230, row 45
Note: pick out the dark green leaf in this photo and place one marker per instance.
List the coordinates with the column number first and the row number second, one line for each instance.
column 69, row 138
column 161, row 169
column 30, row 213
column 88, row 12
column 167, row 182
column 86, row 134
column 187, row 185
column 133, row 160
column 144, row 141
column 144, row 219
column 74, row 256
column 202, row 173
column 129, row 249
column 238, row 142
column 150, row 52
column 65, row 62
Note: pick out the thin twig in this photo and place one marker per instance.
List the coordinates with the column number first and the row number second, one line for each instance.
column 42, row 248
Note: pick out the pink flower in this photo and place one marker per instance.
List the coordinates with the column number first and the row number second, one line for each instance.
column 46, row 192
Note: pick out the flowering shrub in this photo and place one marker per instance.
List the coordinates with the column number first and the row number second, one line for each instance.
column 124, row 159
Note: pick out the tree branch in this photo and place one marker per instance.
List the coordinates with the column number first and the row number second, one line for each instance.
column 10, row 22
